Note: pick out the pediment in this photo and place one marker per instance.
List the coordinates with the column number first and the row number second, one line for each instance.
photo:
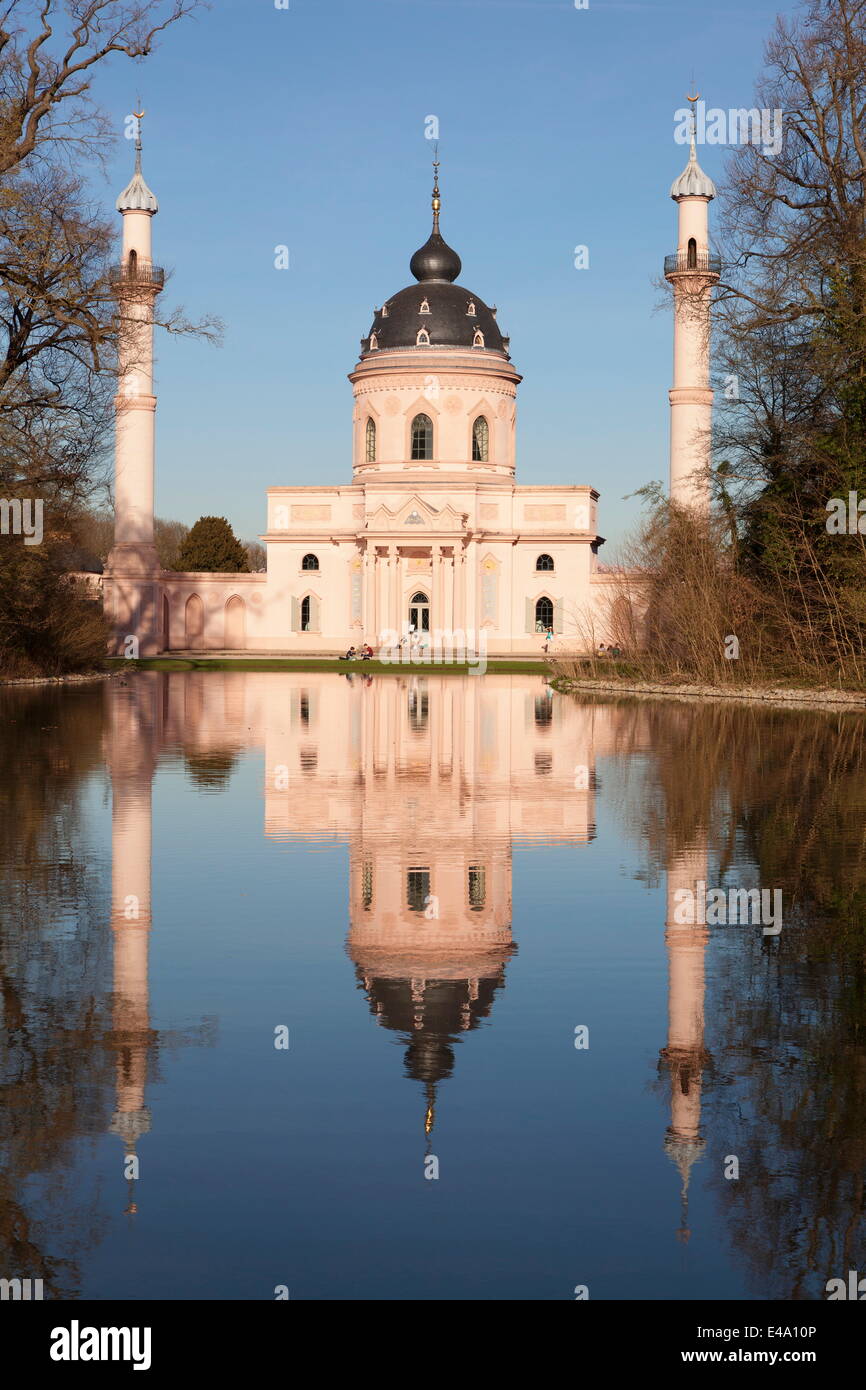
column 415, row 515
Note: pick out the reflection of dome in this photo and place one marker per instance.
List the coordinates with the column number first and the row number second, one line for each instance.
column 431, row 1011
column 431, row 1016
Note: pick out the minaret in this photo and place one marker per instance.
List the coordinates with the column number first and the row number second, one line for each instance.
column 132, row 588
column 692, row 271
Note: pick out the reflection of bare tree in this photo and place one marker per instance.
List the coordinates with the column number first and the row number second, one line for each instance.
column 77, row 1050
column 786, row 792
column 55, row 1078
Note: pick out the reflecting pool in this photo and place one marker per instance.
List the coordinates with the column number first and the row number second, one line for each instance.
column 407, row 987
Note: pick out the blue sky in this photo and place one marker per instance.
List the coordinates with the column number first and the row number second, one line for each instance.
column 305, row 127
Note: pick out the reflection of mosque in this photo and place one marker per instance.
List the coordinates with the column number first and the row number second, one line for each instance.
column 431, row 781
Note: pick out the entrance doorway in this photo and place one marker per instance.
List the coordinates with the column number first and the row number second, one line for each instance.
column 419, row 612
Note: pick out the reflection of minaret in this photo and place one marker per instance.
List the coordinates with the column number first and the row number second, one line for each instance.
column 131, row 753
column 685, row 1056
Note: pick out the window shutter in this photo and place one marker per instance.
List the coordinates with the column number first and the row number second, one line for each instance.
column 557, row 615
column 296, row 615
column 315, row 626
column 530, row 615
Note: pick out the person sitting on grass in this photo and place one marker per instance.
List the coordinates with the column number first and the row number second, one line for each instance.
column 350, row 655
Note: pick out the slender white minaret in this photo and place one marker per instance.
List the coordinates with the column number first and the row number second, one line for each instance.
column 692, row 272
column 132, row 587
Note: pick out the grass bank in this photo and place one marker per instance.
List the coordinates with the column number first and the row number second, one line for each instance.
column 630, row 677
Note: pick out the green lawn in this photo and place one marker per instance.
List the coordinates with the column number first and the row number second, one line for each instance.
column 377, row 668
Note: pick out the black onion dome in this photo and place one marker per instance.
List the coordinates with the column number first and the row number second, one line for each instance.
column 435, row 260
column 452, row 316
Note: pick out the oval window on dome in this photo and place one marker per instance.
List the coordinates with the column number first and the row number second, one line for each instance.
column 422, row 437
column 480, row 441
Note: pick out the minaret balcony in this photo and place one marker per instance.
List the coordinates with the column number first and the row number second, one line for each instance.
column 138, row 274
column 693, row 260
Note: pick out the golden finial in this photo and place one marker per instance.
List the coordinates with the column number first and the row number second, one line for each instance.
column 139, row 117
column 436, row 200
column 693, row 102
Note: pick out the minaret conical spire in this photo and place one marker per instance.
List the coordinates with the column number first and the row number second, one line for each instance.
column 136, row 196
column 693, row 182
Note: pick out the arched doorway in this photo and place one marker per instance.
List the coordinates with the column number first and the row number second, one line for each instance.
column 236, row 624
column 419, row 612
column 194, row 623
column 166, row 624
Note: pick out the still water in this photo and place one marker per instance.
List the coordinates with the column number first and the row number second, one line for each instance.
column 377, row 988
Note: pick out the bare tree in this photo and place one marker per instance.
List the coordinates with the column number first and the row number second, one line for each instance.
column 49, row 52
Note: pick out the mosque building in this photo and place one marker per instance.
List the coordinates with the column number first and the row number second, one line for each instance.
column 433, row 540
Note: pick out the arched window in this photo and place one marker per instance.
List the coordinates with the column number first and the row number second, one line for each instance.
column 470, row 309
column 423, row 339
column 133, row 264
column 425, row 306
column 692, row 254
column 374, row 342
column 370, row 446
column 480, row 441
column 422, row 437
column 478, row 340
column 310, row 562
column 305, row 614
column 543, row 615
column 544, row 562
